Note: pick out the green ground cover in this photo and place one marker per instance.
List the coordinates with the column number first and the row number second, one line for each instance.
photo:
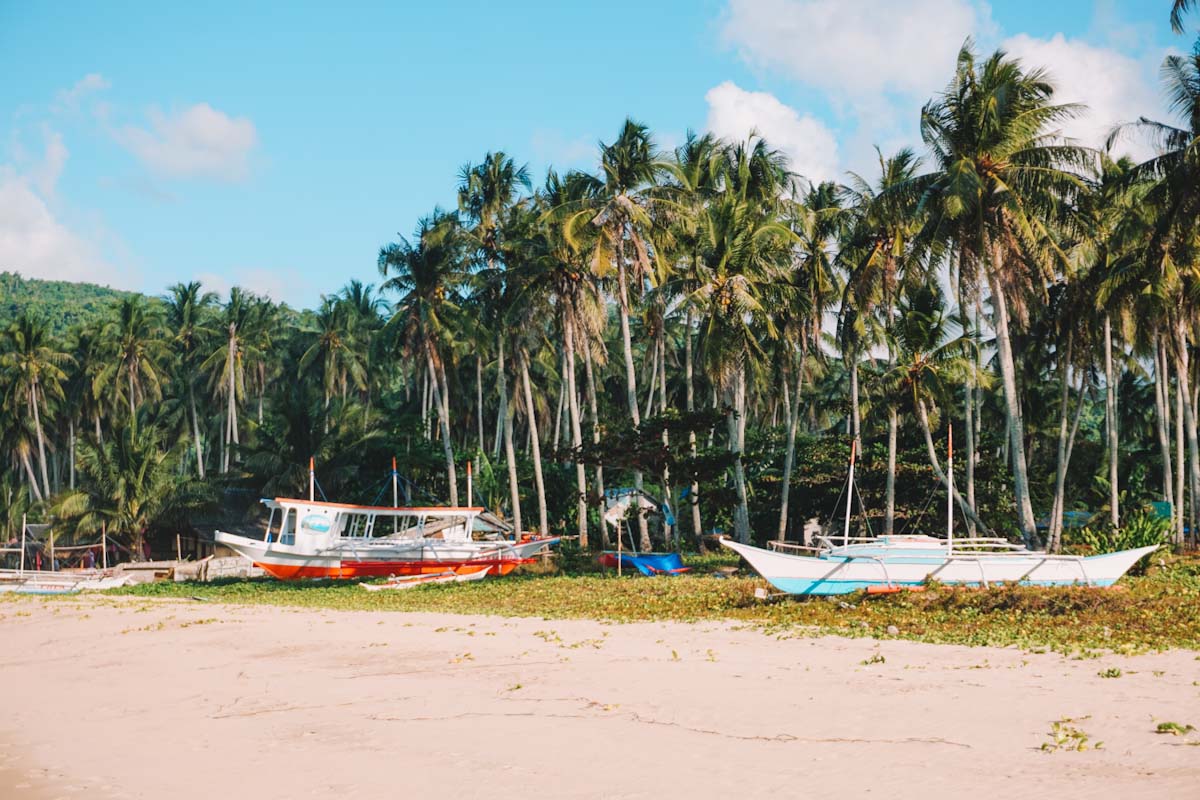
column 1154, row 611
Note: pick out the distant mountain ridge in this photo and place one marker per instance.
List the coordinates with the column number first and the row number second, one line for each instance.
column 63, row 304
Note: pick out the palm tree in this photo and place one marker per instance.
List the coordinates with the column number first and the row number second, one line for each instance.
column 33, row 369
column 696, row 174
column 426, row 274
column 744, row 253
column 131, row 482
column 1178, row 9
column 620, row 212
column 136, row 333
column 189, row 317
column 226, row 365
column 1000, row 182
column 882, row 221
column 816, row 222
column 342, row 358
column 485, row 192
column 1172, row 180
column 927, row 364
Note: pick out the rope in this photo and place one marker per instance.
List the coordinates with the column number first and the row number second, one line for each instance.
column 909, row 520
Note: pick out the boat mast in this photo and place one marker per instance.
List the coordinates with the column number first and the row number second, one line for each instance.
column 949, row 488
column 470, row 500
column 849, row 497
column 312, row 478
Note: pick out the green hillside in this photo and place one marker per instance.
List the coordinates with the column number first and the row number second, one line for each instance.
column 62, row 303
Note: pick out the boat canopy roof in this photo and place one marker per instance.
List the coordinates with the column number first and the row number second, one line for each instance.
column 482, row 520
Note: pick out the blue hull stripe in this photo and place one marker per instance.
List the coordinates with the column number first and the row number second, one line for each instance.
column 821, row 587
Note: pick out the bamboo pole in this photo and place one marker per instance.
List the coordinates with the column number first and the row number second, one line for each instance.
column 22, row 543
column 470, row 496
column 104, row 544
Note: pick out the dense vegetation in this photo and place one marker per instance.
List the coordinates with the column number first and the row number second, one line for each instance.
column 62, row 304
column 703, row 325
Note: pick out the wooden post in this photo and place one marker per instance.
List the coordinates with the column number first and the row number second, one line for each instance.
column 22, row 543
column 52, row 549
column 104, row 544
column 178, row 548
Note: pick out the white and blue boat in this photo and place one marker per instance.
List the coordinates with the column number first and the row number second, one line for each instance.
column 893, row 563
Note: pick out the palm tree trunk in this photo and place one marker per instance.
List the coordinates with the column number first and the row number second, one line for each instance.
column 889, row 511
column 1161, row 417
column 71, row 435
column 41, row 437
column 576, row 433
column 443, row 413
column 479, row 399
column 854, row 421
column 1180, row 459
column 1012, row 406
column 33, row 483
column 507, row 416
column 969, row 403
column 689, row 370
column 938, row 472
column 669, row 530
column 741, row 516
column 1054, row 538
column 561, row 406
column 196, row 431
column 536, row 446
column 631, row 388
column 132, row 407
column 1110, row 418
column 595, row 421
column 789, row 457
column 1189, row 419
column 96, row 420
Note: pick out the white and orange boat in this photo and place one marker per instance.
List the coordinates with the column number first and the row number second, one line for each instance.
column 312, row 539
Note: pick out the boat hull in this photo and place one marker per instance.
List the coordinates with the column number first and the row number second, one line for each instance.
column 834, row 574
column 374, row 560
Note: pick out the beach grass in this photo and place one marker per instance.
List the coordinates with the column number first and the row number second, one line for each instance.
column 1155, row 611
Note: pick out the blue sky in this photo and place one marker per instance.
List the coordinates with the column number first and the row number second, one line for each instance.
column 278, row 146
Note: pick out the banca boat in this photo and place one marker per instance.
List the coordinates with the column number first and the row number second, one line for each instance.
column 891, row 563
column 312, row 539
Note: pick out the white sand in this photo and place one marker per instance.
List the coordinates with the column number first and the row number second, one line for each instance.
column 138, row 699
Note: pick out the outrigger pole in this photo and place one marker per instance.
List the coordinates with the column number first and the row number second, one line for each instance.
column 849, row 497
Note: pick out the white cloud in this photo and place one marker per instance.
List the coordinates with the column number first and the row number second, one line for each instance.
column 45, row 174
column 199, row 141
column 283, row 285
column 854, row 47
column 734, row 112
column 1115, row 87
column 69, row 99
column 34, row 243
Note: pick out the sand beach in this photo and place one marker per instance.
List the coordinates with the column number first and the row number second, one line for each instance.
column 130, row 698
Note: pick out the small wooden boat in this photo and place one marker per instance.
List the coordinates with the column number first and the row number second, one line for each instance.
column 409, row 581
